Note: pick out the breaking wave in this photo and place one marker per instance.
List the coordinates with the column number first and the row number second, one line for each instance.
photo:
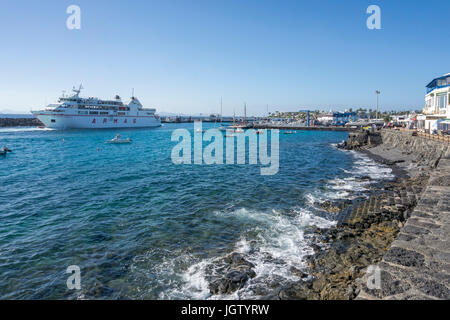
column 275, row 245
column 355, row 181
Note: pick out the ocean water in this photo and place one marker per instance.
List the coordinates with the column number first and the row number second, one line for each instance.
column 141, row 227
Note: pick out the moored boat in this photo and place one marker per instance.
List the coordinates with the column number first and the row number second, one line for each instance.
column 4, row 150
column 117, row 140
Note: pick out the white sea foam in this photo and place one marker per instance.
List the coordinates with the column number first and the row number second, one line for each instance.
column 277, row 241
column 279, row 244
column 351, row 185
column 23, row 129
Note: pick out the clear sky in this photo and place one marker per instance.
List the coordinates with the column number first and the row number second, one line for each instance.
column 182, row 56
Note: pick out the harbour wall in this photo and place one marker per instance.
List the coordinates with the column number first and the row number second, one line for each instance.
column 20, row 122
column 417, row 264
column 420, row 151
column 287, row 127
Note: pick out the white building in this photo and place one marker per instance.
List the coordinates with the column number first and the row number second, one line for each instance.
column 325, row 119
column 437, row 104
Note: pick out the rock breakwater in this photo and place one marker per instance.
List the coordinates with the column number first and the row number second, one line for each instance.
column 20, row 122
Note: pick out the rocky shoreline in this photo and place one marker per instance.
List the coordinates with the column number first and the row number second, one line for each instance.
column 365, row 231
column 360, row 241
column 373, row 225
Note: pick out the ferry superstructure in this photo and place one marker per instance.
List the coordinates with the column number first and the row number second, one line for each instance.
column 75, row 112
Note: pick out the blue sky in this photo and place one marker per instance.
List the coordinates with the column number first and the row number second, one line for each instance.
column 181, row 56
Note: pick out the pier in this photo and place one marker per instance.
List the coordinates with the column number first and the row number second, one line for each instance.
column 313, row 128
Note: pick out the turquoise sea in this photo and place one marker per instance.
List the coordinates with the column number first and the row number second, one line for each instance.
column 141, row 227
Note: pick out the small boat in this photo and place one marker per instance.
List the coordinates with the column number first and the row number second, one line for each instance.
column 288, row 132
column 239, row 130
column 4, row 151
column 117, row 140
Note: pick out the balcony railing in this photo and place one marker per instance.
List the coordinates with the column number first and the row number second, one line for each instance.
column 437, row 87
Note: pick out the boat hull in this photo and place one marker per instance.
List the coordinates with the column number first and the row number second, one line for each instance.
column 61, row 121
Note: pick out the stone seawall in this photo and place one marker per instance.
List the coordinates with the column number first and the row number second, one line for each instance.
column 417, row 265
column 404, row 149
column 422, row 150
column 20, row 122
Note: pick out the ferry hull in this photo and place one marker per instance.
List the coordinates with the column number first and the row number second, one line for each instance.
column 58, row 121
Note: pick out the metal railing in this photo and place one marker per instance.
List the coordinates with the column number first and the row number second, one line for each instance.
column 435, row 137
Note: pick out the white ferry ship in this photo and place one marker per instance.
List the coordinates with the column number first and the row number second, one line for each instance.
column 73, row 112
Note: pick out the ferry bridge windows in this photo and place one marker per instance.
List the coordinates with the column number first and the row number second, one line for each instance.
column 52, row 120
column 103, row 113
column 93, row 112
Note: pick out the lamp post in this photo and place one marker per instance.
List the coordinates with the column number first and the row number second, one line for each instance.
column 377, row 92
